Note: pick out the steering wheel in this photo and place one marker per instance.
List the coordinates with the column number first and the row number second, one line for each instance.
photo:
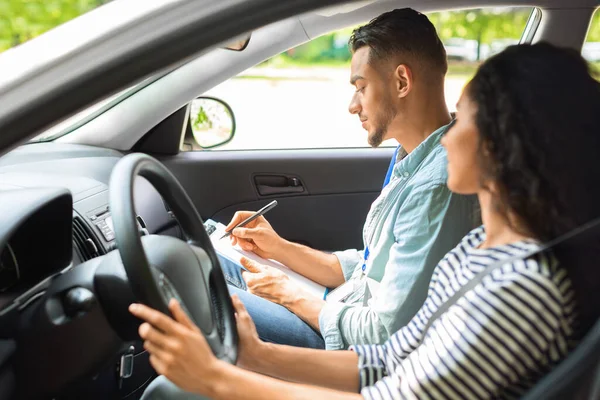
column 160, row 267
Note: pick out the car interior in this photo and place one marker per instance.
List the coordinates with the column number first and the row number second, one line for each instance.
column 71, row 193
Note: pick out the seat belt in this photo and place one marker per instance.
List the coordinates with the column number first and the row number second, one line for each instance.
column 589, row 226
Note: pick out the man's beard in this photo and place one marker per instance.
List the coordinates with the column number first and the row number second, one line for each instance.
column 387, row 115
column 377, row 138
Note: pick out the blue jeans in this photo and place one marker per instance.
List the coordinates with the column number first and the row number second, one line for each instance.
column 274, row 323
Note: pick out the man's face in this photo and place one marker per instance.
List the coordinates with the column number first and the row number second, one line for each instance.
column 372, row 100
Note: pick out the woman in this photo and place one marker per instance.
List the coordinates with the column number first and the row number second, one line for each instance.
column 524, row 141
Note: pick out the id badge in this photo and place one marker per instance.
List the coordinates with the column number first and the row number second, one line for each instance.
column 346, row 291
column 340, row 293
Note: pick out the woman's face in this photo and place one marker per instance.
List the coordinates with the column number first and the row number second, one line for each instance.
column 462, row 145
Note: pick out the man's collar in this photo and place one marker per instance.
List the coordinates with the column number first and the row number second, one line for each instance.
column 406, row 164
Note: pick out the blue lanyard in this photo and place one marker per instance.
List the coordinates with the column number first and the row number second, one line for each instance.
column 364, row 266
column 388, row 176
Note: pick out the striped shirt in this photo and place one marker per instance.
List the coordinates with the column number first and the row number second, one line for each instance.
column 495, row 342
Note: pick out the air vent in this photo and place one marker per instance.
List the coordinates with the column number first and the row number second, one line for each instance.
column 86, row 244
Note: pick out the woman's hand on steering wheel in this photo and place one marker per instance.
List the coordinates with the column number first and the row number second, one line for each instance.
column 177, row 347
column 250, row 347
column 179, row 351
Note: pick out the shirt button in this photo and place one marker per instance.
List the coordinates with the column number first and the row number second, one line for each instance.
column 405, row 174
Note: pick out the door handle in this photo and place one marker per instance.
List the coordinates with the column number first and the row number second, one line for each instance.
column 268, row 185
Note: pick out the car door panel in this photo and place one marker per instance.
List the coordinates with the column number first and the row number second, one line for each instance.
column 316, row 221
column 324, row 195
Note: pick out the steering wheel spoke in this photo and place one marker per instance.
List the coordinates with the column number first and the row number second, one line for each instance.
column 160, row 267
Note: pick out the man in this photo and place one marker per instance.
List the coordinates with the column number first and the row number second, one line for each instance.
column 398, row 69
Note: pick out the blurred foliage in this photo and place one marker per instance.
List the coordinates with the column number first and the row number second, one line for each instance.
column 201, row 120
column 21, row 20
column 594, row 32
column 482, row 25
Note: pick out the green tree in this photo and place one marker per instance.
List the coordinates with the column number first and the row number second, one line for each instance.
column 482, row 25
column 22, row 20
column 594, row 32
column 202, row 121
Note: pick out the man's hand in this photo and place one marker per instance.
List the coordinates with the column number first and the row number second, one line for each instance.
column 273, row 285
column 269, row 283
column 177, row 348
column 258, row 236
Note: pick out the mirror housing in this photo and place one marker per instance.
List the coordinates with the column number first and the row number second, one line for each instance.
column 239, row 43
column 211, row 123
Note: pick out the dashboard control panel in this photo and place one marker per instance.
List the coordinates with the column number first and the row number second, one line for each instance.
column 102, row 220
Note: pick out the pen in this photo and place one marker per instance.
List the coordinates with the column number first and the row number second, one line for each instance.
column 251, row 218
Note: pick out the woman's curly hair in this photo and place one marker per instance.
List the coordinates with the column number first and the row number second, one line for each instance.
column 538, row 116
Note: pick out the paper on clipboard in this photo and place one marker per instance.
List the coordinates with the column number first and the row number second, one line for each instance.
column 235, row 253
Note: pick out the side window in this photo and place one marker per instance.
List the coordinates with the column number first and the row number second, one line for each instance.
column 299, row 99
column 591, row 48
column 472, row 36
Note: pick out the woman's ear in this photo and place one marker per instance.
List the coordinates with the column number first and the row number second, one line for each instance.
column 403, row 79
column 488, row 168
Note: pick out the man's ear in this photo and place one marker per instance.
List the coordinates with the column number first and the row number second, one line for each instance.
column 404, row 80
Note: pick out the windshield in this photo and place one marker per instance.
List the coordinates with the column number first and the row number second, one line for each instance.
column 83, row 117
column 36, row 17
column 31, row 19
column 75, row 121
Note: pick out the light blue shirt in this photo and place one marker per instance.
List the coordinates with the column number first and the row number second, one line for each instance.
column 414, row 222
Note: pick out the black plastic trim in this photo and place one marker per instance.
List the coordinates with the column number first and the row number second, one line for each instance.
column 164, row 138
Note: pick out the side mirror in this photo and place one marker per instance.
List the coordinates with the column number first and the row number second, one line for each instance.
column 211, row 124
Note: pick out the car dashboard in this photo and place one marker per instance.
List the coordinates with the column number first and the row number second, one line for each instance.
column 59, row 218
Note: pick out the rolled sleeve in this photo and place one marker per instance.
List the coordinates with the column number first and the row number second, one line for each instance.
column 328, row 325
column 382, row 390
column 349, row 260
column 378, row 367
column 371, row 365
column 344, row 324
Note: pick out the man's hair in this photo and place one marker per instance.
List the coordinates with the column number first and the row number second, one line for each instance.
column 403, row 32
